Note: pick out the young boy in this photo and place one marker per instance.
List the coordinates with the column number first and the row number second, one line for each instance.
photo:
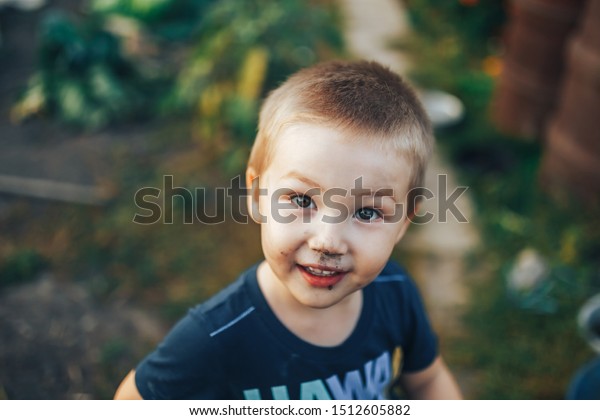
column 333, row 178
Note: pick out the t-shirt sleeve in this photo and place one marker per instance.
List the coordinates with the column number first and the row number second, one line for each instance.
column 183, row 366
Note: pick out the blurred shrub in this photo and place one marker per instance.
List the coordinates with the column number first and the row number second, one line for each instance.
column 243, row 49
column 21, row 265
column 464, row 34
column 83, row 77
column 170, row 20
column 473, row 22
column 212, row 59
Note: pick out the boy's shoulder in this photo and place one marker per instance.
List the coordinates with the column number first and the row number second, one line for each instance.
column 235, row 290
column 231, row 303
column 396, row 293
column 394, row 281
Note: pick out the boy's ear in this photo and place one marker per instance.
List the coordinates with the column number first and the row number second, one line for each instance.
column 252, row 186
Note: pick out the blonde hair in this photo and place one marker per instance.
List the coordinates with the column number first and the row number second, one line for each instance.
column 361, row 97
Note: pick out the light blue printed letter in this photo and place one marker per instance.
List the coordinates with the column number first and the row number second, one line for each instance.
column 314, row 390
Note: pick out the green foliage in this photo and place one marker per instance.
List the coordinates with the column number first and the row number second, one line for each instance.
column 244, row 49
column 522, row 344
column 519, row 351
column 170, row 20
column 211, row 60
column 469, row 23
column 460, row 34
column 21, row 265
column 83, row 77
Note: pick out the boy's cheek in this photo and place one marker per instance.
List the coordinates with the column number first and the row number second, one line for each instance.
column 279, row 210
column 403, row 228
column 263, row 206
column 254, row 210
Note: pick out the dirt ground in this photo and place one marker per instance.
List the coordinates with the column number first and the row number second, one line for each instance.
column 58, row 343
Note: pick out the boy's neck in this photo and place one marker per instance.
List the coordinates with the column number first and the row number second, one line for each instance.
column 325, row 327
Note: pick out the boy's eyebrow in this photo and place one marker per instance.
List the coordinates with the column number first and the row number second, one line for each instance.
column 380, row 192
column 359, row 192
column 298, row 176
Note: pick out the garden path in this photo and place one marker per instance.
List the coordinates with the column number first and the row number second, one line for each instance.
column 436, row 252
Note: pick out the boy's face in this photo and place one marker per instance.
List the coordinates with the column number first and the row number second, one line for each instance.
column 332, row 210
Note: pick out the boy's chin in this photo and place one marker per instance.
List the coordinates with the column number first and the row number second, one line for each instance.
column 322, row 298
column 320, row 305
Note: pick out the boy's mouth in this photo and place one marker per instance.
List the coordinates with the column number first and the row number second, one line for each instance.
column 325, row 277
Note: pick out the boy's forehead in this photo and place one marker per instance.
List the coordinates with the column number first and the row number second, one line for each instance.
column 333, row 135
column 362, row 184
column 333, row 138
column 321, row 154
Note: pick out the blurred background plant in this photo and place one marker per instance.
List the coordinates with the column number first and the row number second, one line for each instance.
column 83, row 78
column 539, row 260
column 245, row 49
column 212, row 61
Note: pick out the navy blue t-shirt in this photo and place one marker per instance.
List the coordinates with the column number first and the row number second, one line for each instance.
column 234, row 347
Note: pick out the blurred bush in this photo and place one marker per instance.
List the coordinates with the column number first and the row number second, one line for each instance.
column 244, row 49
column 464, row 34
column 20, row 265
column 173, row 20
column 83, row 78
column 207, row 59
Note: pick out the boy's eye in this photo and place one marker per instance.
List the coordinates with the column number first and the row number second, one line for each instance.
column 367, row 214
column 303, row 201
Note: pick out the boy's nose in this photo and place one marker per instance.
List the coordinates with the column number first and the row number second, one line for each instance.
column 328, row 239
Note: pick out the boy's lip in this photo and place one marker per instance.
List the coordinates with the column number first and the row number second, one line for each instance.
column 321, row 276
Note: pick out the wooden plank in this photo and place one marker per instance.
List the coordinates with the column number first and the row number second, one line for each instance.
column 56, row 190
